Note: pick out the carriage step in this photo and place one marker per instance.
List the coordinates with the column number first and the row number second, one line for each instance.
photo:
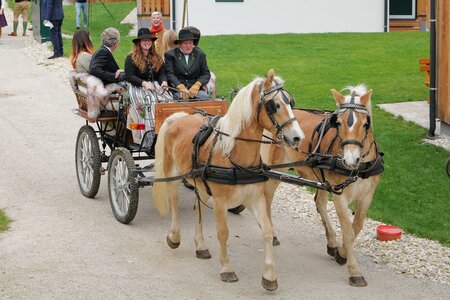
column 148, row 168
column 145, row 181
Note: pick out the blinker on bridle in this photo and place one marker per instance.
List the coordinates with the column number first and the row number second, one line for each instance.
column 271, row 107
column 352, row 106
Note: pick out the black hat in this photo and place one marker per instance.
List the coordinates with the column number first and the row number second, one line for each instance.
column 196, row 32
column 145, row 34
column 185, row 35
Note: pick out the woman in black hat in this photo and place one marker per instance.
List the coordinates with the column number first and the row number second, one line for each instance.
column 145, row 72
column 186, row 67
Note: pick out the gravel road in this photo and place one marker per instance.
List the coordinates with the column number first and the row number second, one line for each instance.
column 64, row 246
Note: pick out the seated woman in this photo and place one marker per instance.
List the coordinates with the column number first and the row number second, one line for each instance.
column 145, row 72
column 167, row 41
column 82, row 50
column 186, row 67
column 96, row 93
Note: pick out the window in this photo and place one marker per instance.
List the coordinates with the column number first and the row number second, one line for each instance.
column 402, row 9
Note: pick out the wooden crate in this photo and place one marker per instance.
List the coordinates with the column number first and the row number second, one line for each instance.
column 164, row 110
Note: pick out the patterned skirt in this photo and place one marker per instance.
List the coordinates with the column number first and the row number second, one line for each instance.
column 142, row 111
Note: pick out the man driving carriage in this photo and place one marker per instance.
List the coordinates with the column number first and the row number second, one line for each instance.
column 186, row 67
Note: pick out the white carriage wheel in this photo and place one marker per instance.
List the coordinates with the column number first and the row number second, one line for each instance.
column 123, row 185
column 88, row 161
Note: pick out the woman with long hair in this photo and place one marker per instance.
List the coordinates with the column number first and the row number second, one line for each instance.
column 146, row 75
column 82, row 50
column 167, row 41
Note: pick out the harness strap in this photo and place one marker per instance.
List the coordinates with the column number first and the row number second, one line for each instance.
column 272, row 141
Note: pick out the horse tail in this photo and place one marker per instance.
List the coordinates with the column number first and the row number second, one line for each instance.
column 160, row 194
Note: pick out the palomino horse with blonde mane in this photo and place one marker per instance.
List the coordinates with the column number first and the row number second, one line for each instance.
column 222, row 165
column 340, row 149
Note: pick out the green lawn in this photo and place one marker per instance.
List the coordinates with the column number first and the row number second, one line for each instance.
column 414, row 191
column 4, row 221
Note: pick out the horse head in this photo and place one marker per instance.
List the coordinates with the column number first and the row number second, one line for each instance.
column 352, row 120
column 277, row 105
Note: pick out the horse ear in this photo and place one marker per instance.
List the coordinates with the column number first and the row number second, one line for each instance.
column 270, row 76
column 337, row 96
column 366, row 97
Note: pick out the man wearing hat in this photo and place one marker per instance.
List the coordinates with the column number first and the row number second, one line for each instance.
column 186, row 67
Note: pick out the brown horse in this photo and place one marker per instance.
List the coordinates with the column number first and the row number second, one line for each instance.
column 338, row 148
column 234, row 145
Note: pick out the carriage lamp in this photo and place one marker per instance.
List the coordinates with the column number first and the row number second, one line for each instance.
column 137, row 126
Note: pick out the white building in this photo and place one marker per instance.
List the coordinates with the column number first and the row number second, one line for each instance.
column 214, row 17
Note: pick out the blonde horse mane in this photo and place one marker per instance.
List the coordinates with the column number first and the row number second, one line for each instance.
column 239, row 115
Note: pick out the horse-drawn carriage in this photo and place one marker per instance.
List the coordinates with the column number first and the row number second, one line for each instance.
column 341, row 157
column 109, row 147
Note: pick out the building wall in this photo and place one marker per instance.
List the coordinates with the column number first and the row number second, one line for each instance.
column 282, row 16
column 443, row 60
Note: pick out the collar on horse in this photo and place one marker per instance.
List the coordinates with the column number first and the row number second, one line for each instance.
column 208, row 172
column 238, row 174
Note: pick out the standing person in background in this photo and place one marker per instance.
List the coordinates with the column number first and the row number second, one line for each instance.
column 81, row 6
column 20, row 9
column 157, row 28
column 167, row 42
column 54, row 14
column 3, row 22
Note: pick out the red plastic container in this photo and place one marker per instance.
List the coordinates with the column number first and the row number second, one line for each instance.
column 388, row 233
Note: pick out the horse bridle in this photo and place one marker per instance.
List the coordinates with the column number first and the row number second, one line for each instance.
column 271, row 107
column 352, row 107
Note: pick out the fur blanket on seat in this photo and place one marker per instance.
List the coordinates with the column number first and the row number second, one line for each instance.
column 97, row 94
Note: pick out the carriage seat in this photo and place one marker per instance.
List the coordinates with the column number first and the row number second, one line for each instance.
column 93, row 96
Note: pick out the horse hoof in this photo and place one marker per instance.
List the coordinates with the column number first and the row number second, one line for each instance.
column 228, row 277
column 203, row 254
column 171, row 244
column 331, row 251
column 269, row 285
column 339, row 259
column 275, row 241
column 357, row 281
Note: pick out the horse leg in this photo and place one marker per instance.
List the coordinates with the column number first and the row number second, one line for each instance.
column 348, row 238
column 269, row 191
column 201, row 251
column 227, row 273
column 259, row 210
column 174, row 236
column 361, row 207
column 321, row 200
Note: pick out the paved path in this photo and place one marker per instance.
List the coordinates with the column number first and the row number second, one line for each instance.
column 64, row 246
